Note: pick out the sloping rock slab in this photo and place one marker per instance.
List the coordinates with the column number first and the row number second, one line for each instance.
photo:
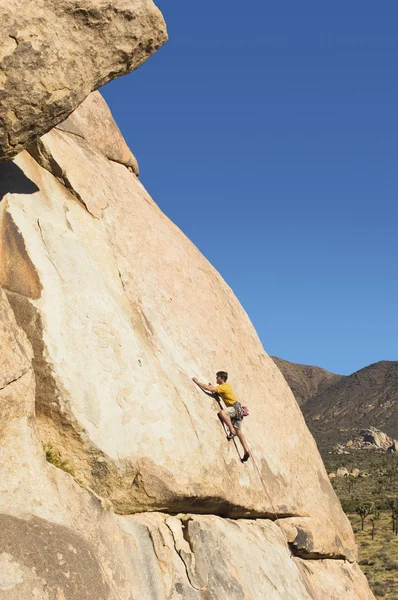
column 54, row 53
column 121, row 311
column 61, row 542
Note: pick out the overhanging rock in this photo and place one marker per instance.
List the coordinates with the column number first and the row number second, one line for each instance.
column 53, row 53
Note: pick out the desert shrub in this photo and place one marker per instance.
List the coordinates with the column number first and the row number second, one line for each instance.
column 380, row 588
column 55, row 458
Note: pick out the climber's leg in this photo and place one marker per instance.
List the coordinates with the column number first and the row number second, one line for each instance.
column 225, row 418
column 242, row 440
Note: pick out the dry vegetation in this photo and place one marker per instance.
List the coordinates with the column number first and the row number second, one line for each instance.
column 378, row 557
column 378, row 491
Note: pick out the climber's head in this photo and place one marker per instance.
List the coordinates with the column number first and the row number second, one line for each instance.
column 221, row 377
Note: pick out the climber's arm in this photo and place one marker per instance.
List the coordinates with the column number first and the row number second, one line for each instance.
column 205, row 387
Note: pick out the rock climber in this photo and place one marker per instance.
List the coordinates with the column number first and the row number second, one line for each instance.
column 232, row 414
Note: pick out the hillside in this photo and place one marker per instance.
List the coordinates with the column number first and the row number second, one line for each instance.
column 305, row 381
column 343, row 405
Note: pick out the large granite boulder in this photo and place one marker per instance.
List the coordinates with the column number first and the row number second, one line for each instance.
column 106, row 312
column 121, row 310
column 54, row 53
column 61, row 542
column 376, row 438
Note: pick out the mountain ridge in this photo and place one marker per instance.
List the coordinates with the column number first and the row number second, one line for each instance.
column 344, row 404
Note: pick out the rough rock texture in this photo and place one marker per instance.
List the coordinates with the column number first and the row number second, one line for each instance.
column 335, row 580
column 93, row 121
column 61, row 542
column 53, row 54
column 120, row 310
column 15, row 352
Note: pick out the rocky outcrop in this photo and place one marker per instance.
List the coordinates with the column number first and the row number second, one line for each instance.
column 376, row 438
column 368, row 439
column 53, row 54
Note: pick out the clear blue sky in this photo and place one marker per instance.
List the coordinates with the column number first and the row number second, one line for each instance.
column 268, row 132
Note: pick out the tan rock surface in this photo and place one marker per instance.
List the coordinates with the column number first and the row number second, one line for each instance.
column 15, row 351
column 128, row 311
column 335, row 580
column 60, row 541
column 53, row 54
column 93, row 121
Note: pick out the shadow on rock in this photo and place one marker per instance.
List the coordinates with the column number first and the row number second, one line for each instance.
column 14, row 181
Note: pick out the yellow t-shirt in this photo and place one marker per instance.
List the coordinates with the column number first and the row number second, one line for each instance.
column 225, row 391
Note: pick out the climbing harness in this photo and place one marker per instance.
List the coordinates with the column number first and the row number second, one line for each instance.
column 217, row 399
column 241, row 411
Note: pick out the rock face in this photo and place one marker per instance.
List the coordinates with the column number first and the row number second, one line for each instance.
column 117, row 310
column 93, row 121
column 115, row 351
column 54, row 53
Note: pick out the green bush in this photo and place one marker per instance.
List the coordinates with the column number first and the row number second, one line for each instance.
column 54, row 457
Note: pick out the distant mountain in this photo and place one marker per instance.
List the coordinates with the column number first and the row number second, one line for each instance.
column 305, row 381
column 342, row 405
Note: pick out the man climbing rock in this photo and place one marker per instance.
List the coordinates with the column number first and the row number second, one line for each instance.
column 232, row 414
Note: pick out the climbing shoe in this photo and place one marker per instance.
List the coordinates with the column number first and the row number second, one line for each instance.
column 246, row 457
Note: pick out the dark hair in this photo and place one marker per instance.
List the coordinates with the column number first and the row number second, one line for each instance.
column 222, row 374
